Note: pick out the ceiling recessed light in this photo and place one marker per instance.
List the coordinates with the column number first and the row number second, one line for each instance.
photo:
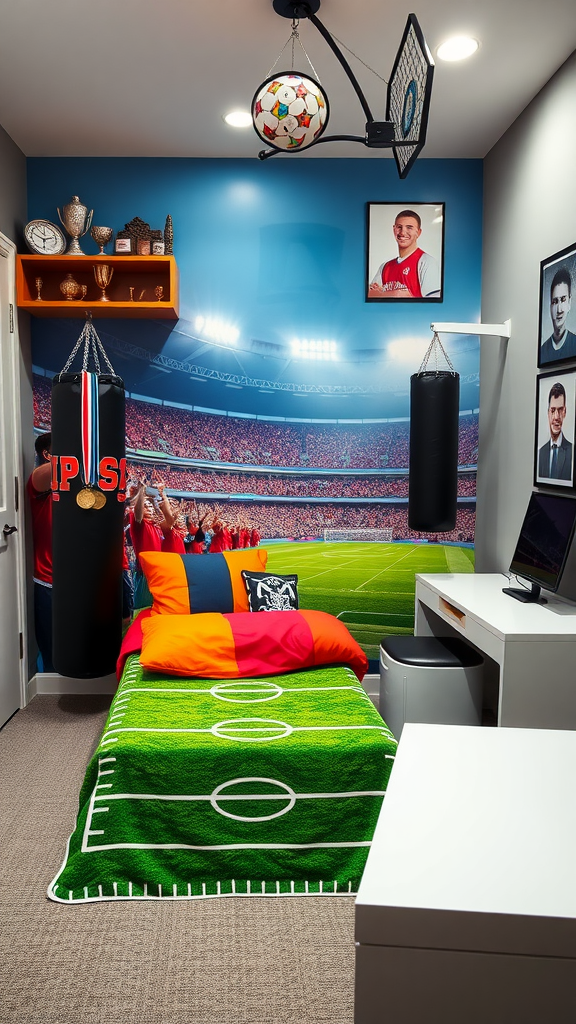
column 238, row 118
column 457, row 48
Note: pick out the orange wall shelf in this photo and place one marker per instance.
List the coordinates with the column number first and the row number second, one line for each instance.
column 143, row 273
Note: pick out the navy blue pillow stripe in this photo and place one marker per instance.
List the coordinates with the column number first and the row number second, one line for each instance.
column 209, row 583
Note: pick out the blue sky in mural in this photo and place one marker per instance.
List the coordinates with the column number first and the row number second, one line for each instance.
column 276, row 250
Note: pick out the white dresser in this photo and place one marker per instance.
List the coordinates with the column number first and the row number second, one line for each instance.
column 466, row 912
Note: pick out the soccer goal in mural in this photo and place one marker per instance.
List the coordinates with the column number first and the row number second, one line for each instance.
column 383, row 536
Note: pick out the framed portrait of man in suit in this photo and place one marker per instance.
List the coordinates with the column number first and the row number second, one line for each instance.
column 555, row 428
column 557, row 326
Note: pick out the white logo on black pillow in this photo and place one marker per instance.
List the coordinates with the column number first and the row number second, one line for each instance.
column 271, row 593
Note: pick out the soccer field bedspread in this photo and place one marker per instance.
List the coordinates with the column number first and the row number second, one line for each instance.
column 249, row 787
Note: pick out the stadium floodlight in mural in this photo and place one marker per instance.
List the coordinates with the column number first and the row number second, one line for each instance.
column 290, row 109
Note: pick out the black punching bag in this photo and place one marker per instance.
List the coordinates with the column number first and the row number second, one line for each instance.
column 433, row 480
column 88, row 490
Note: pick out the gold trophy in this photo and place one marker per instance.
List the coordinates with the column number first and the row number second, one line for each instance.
column 39, row 283
column 76, row 219
column 70, row 288
column 101, row 236
column 103, row 274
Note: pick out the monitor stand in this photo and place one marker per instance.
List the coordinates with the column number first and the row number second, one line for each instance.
column 526, row 596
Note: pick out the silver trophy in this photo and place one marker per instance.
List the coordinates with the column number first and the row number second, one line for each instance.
column 76, row 220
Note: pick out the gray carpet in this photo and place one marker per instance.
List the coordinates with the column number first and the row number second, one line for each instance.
column 232, row 961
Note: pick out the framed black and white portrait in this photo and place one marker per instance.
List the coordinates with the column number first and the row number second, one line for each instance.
column 405, row 252
column 555, row 427
column 557, row 327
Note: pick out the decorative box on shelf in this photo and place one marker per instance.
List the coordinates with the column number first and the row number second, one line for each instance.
column 140, row 286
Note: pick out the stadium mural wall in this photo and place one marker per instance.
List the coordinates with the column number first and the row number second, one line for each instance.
column 281, row 396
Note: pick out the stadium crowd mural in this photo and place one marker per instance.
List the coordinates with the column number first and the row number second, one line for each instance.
column 177, row 434
column 185, row 434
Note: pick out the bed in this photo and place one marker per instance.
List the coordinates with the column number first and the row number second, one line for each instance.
column 231, row 783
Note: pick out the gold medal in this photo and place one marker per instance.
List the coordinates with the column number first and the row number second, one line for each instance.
column 99, row 499
column 85, row 498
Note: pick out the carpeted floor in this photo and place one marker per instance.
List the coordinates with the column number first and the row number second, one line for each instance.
column 232, row 961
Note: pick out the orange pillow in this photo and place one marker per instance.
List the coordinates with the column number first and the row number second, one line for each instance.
column 186, row 584
column 246, row 646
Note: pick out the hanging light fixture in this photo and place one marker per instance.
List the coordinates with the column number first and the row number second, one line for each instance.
column 290, row 109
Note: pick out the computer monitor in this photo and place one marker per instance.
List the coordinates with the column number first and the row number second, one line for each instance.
column 543, row 544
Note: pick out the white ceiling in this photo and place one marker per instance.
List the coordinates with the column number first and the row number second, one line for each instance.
column 143, row 78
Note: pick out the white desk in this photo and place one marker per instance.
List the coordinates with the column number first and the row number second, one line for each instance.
column 466, row 912
column 533, row 645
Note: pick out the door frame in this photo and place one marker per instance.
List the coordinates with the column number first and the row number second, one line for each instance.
column 8, row 261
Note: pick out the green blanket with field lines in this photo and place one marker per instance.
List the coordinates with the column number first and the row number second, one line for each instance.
column 247, row 787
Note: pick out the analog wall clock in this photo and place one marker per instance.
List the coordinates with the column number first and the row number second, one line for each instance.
column 44, row 238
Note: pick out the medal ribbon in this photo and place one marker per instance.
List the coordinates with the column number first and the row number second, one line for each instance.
column 90, row 428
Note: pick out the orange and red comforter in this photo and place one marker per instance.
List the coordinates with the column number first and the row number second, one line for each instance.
column 241, row 644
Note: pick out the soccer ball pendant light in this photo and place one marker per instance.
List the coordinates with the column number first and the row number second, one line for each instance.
column 290, row 111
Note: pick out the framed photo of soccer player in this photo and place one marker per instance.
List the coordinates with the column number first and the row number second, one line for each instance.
column 404, row 252
column 557, row 324
column 555, row 429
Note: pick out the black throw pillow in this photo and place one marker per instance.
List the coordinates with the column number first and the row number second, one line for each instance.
column 270, row 593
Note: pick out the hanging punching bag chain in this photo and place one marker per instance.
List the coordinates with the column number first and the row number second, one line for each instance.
column 92, row 346
column 434, row 345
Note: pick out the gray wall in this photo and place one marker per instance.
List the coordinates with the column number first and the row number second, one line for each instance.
column 529, row 214
column 12, row 188
column 13, row 216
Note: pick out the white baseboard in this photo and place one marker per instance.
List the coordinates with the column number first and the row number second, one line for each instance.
column 52, row 682
column 371, row 684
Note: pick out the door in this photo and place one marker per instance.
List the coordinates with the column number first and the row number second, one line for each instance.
column 11, row 640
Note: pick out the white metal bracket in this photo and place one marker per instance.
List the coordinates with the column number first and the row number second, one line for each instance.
column 496, row 330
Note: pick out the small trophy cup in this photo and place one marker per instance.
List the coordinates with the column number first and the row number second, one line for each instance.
column 70, row 288
column 76, row 220
column 39, row 282
column 159, row 292
column 103, row 274
column 101, row 236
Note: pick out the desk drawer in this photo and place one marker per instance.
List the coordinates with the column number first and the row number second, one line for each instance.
column 437, row 610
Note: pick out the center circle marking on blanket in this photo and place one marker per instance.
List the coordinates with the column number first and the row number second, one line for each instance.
column 246, row 691
column 285, row 793
column 251, row 730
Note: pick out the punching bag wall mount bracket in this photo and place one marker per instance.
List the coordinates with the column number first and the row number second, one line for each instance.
column 485, row 330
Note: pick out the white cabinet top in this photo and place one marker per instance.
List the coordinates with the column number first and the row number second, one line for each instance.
column 476, row 840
